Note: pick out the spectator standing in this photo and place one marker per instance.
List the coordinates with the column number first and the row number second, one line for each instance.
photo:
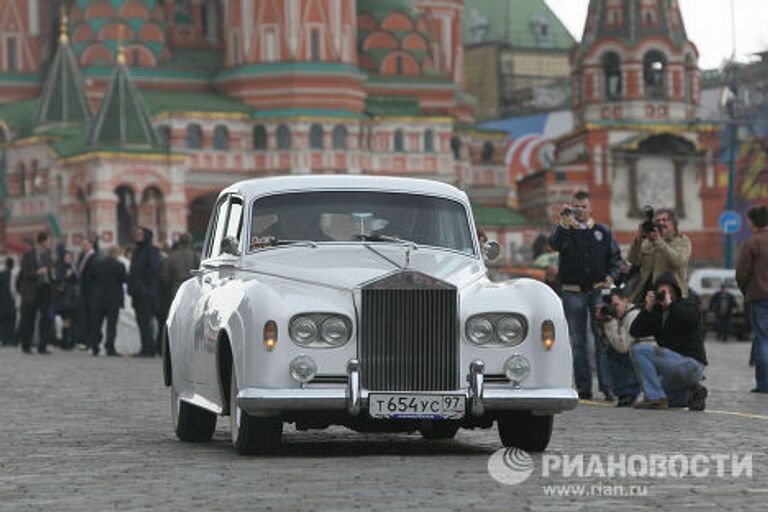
column 65, row 297
column 144, row 287
column 752, row 277
column 670, row 371
column 181, row 260
column 721, row 305
column 7, row 306
column 108, row 298
column 589, row 261
column 659, row 248
column 34, row 286
column 83, row 325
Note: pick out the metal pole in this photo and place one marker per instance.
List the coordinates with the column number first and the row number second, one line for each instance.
column 731, row 182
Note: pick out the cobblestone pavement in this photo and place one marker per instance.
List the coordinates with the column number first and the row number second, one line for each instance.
column 85, row 433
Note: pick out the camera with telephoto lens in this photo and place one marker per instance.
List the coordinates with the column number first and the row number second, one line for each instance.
column 607, row 309
column 649, row 225
column 570, row 210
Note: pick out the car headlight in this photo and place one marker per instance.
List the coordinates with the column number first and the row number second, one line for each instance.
column 334, row 331
column 479, row 330
column 510, row 330
column 303, row 330
column 497, row 329
column 320, row 330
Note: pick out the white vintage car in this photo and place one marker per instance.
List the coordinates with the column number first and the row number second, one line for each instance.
column 359, row 301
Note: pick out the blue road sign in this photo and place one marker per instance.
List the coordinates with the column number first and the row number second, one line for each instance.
column 730, row 222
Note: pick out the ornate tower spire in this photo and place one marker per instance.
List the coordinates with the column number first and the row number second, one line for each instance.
column 63, row 100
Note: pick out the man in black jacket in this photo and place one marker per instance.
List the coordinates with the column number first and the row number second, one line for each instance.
column 89, row 254
column 34, row 286
column 671, row 370
column 589, row 262
column 107, row 299
column 144, row 287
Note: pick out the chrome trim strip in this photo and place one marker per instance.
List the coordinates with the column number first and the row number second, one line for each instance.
column 476, row 387
column 353, row 387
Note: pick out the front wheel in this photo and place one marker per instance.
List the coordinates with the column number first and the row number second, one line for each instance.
column 190, row 422
column 251, row 435
column 522, row 429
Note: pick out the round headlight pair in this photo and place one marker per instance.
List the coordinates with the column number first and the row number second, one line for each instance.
column 320, row 330
column 500, row 329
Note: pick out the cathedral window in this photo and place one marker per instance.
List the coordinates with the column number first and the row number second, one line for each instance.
column 316, row 136
column 340, row 137
column 22, row 180
column 429, row 141
column 399, row 143
column 164, row 136
column 612, row 75
column 654, row 70
column 270, row 45
column 487, row 154
column 259, row 138
column 690, row 74
column 314, row 44
column 399, row 65
column 221, row 137
column 194, row 136
column 283, row 137
column 11, row 55
column 456, row 147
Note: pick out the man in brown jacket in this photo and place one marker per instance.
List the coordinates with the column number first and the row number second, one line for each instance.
column 659, row 251
column 752, row 276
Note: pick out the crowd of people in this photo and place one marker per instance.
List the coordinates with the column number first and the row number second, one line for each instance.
column 647, row 329
column 65, row 300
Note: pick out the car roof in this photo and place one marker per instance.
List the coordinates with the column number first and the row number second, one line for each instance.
column 713, row 272
column 276, row 184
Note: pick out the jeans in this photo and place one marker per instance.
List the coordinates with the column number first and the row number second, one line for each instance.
column 579, row 306
column 622, row 372
column 759, row 316
column 666, row 374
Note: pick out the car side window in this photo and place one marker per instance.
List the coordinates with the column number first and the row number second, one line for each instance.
column 214, row 249
column 235, row 222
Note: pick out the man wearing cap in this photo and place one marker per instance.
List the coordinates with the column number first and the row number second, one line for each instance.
column 671, row 370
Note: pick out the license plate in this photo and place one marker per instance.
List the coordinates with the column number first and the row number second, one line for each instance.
column 404, row 405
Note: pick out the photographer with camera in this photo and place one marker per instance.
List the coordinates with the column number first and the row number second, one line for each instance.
column 589, row 262
column 617, row 314
column 660, row 248
column 671, row 370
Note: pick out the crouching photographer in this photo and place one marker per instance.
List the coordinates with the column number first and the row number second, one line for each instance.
column 616, row 315
column 659, row 248
column 670, row 371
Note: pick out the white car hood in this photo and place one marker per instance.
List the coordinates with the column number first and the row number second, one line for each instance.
column 349, row 266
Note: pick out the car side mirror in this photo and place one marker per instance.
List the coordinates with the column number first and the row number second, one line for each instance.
column 230, row 245
column 491, row 250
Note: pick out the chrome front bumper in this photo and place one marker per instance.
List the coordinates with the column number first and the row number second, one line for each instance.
column 481, row 397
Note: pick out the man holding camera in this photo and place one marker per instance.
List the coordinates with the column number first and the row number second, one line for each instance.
column 671, row 370
column 589, row 261
column 617, row 315
column 659, row 248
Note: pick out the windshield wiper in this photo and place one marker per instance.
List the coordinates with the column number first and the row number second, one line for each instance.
column 385, row 238
column 271, row 241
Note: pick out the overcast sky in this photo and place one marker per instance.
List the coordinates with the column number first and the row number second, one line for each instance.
column 708, row 23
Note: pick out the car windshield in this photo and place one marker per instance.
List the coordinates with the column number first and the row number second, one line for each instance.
column 341, row 216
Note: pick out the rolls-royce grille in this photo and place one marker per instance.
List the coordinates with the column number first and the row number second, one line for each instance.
column 408, row 340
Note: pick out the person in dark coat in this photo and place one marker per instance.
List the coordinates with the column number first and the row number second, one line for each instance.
column 107, row 300
column 721, row 305
column 181, row 260
column 7, row 306
column 670, row 372
column 34, row 286
column 65, row 297
column 88, row 256
column 144, row 287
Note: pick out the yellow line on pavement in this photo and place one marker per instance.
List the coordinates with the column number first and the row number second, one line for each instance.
column 740, row 414
column 751, row 415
